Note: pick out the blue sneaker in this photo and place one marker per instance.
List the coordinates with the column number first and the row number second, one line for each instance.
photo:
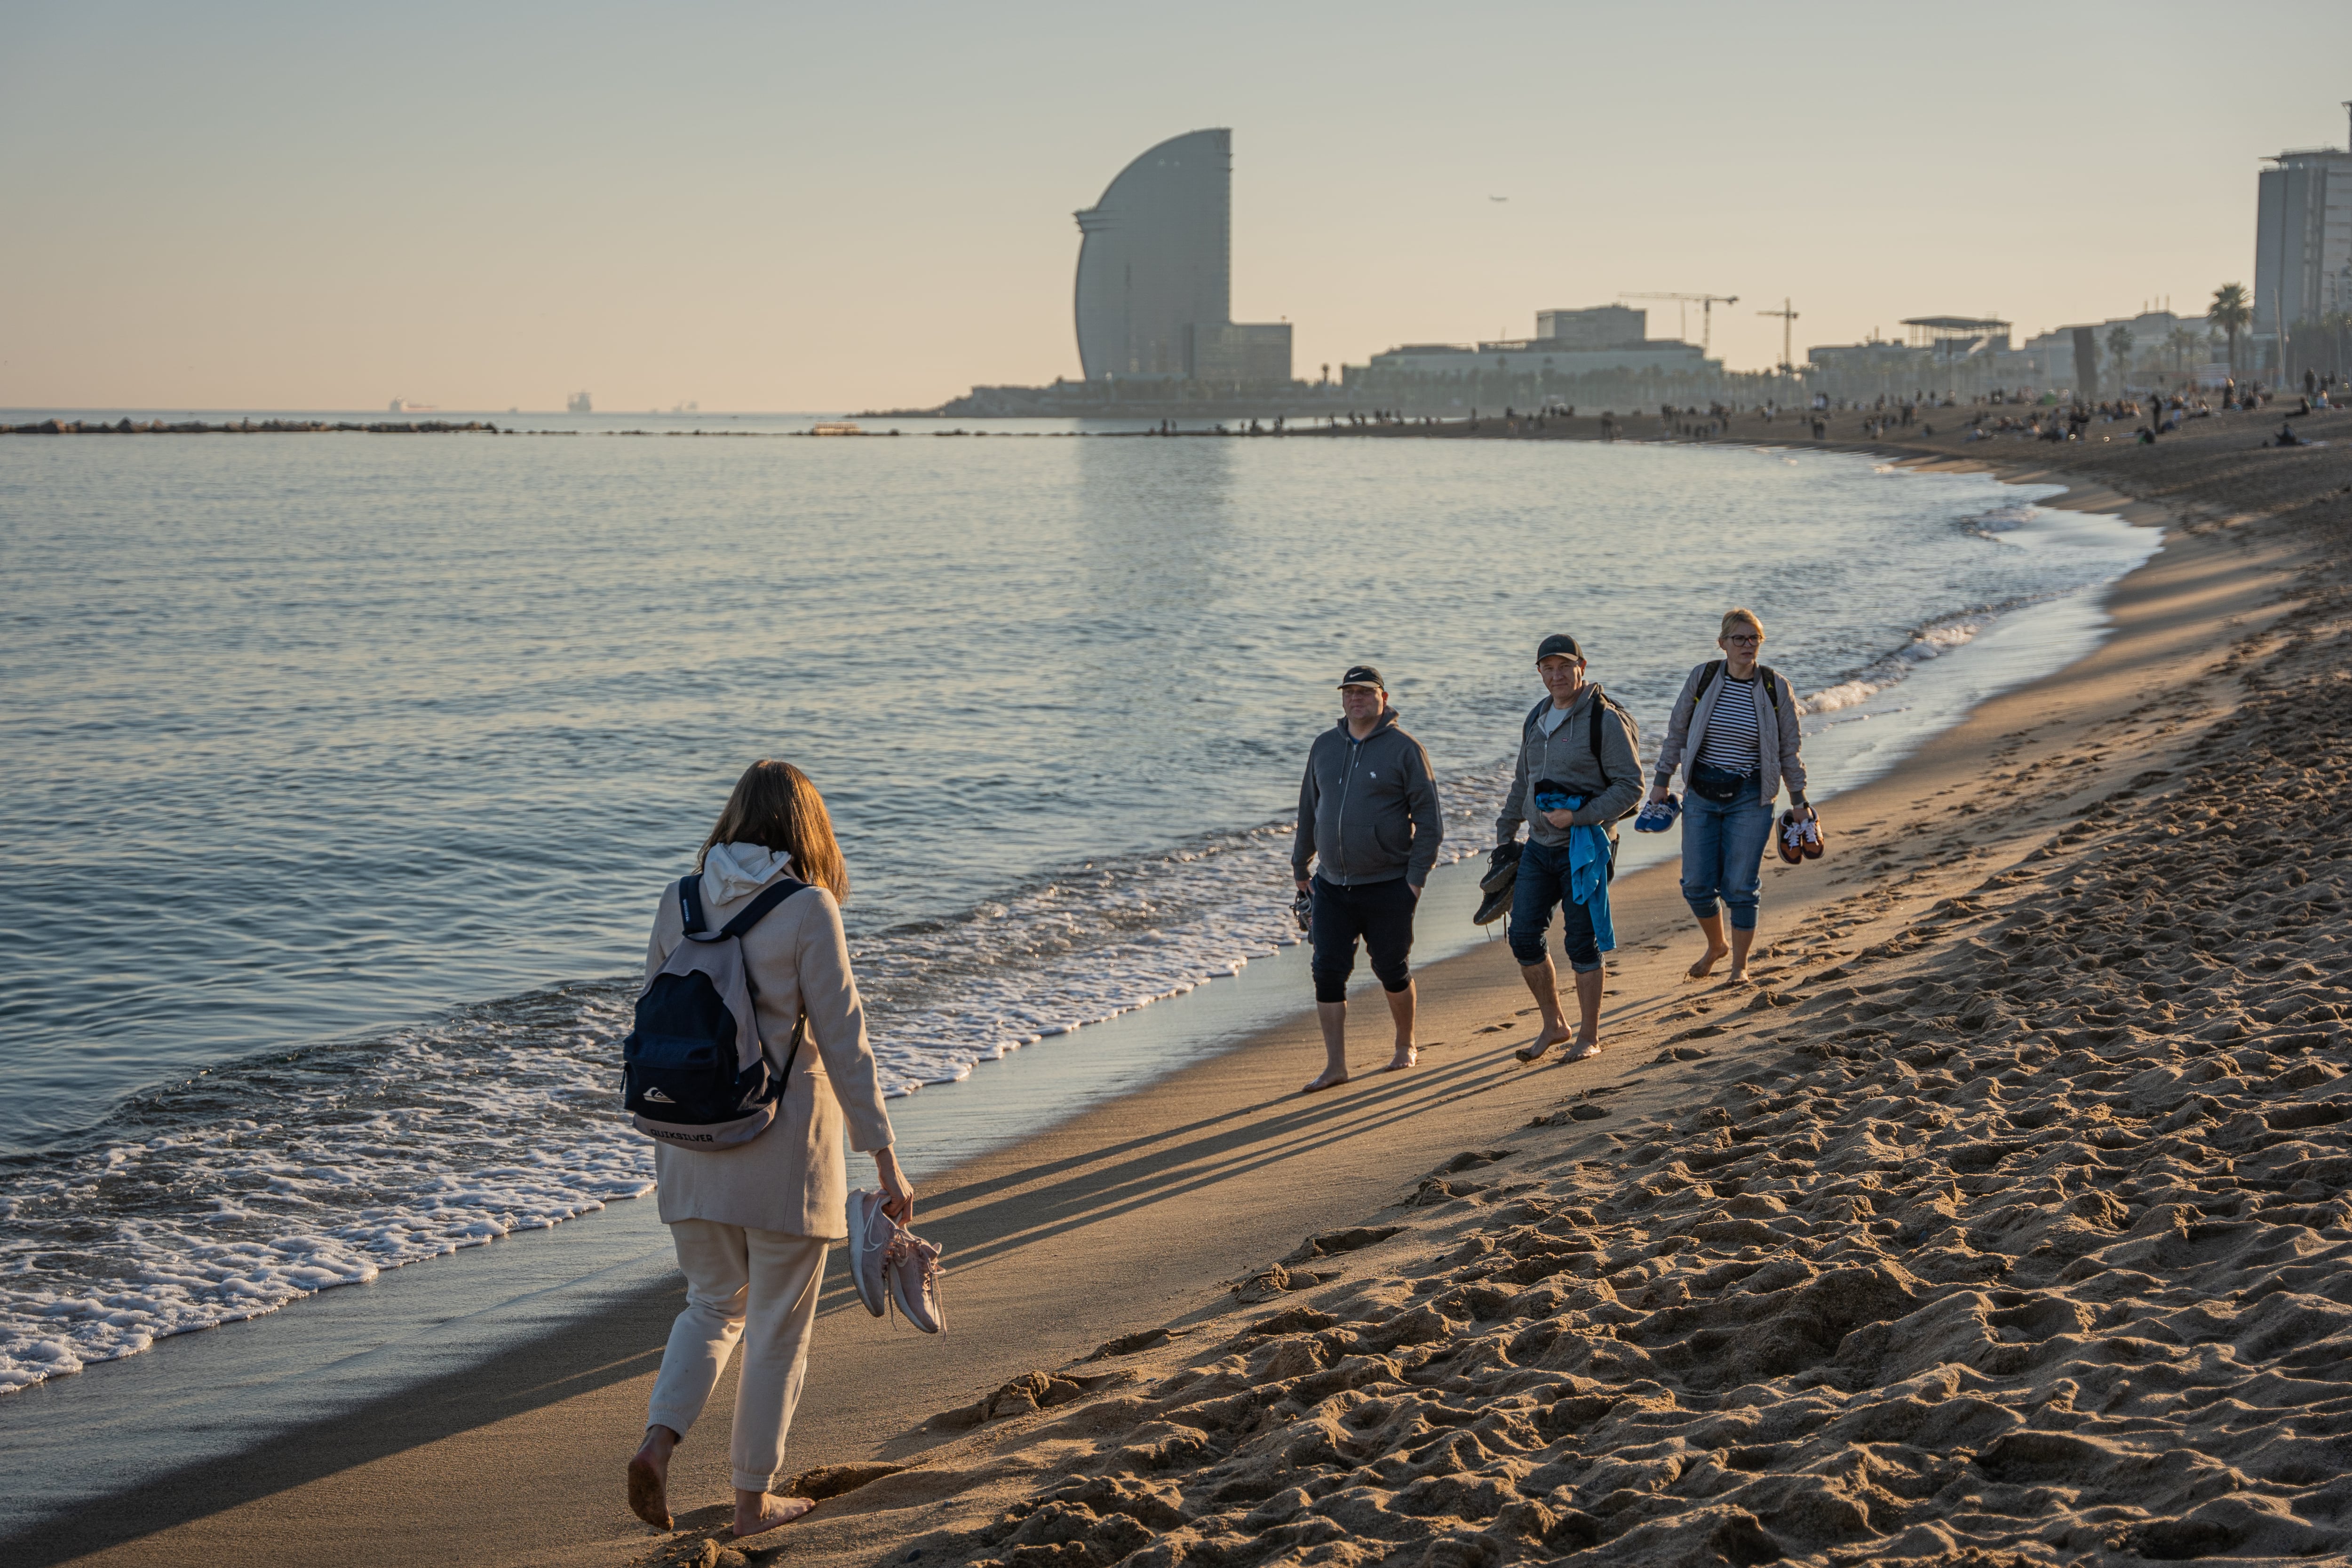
column 1658, row 816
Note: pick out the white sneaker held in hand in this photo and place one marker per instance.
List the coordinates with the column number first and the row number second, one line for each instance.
column 912, row 1266
column 870, row 1234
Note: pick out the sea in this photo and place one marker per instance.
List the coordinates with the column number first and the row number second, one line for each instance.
column 341, row 774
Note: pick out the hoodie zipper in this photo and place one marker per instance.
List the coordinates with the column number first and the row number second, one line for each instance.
column 1348, row 782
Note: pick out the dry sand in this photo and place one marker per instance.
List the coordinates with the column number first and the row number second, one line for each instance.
column 1999, row 1222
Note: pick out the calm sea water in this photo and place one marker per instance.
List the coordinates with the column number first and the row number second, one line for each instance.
column 341, row 774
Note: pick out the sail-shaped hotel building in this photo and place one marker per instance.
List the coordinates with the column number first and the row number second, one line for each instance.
column 1155, row 274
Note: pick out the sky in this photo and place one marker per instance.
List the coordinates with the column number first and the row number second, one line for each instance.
column 789, row 206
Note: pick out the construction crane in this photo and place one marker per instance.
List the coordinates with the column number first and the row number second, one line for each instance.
column 1706, row 303
column 1788, row 323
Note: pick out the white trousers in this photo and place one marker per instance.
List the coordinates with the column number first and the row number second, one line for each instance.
column 757, row 1286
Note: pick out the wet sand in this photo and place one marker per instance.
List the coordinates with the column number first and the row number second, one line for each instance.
column 2003, row 1214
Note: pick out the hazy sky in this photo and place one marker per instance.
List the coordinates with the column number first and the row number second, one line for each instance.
column 785, row 206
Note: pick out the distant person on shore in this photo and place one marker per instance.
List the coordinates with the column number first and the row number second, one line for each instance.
column 750, row 1221
column 1580, row 766
column 1368, row 812
column 1733, row 730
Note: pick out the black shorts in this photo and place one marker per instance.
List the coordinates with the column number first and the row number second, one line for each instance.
column 1382, row 913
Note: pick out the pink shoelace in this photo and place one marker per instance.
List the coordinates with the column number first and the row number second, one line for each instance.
column 905, row 1244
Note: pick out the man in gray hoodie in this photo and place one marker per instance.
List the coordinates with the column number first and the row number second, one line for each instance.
column 1367, row 808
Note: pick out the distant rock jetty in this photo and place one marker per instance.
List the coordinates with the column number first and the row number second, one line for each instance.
column 245, row 427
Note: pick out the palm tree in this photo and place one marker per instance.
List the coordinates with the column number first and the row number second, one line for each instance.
column 2182, row 341
column 2119, row 348
column 2230, row 312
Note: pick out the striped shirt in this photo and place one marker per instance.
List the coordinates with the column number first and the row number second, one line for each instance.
column 1731, row 741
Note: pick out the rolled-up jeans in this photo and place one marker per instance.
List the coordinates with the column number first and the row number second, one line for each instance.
column 1723, row 853
column 1542, row 886
column 758, row 1286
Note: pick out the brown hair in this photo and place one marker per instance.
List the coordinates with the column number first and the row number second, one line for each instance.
column 1741, row 617
column 775, row 806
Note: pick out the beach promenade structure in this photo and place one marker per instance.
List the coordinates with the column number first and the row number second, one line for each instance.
column 1155, row 274
column 2303, row 252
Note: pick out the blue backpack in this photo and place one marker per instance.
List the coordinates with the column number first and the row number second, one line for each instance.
column 693, row 1073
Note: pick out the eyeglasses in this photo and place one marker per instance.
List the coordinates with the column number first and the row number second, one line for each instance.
column 1747, row 642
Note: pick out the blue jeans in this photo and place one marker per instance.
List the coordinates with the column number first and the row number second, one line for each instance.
column 1723, row 853
column 1542, row 884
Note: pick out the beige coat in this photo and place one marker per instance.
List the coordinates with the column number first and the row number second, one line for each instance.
column 791, row 1178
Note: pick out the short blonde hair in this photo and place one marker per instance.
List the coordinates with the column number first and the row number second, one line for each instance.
column 1741, row 617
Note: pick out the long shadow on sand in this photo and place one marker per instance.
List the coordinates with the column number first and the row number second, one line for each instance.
column 993, row 1221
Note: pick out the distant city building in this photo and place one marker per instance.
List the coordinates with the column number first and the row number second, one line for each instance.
column 402, row 406
column 1538, row 356
column 578, row 403
column 1876, row 357
column 2303, row 242
column 2160, row 338
column 1155, row 274
column 1600, row 327
column 1241, row 353
column 1566, row 343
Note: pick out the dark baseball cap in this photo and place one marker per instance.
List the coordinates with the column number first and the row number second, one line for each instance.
column 1363, row 675
column 1559, row 644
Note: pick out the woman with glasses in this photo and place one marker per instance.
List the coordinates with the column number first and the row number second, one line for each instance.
column 1734, row 731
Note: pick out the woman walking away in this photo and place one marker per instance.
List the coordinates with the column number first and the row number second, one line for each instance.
column 751, row 1220
column 1733, row 730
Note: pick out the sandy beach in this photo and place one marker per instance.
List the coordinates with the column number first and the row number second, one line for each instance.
column 2002, row 1220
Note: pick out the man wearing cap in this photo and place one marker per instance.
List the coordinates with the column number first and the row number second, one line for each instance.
column 1578, row 747
column 1368, row 809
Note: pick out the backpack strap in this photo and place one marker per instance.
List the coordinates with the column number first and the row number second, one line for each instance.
column 1771, row 686
column 689, row 904
column 1528, row 728
column 775, row 893
column 1593, row 728
column 1706, row 674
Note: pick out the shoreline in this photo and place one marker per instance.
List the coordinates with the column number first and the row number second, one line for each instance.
column 1441, row 1106
column 1200, row 1019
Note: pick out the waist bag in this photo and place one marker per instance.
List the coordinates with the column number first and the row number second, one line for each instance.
column 1720, row 785
column 693, row 1074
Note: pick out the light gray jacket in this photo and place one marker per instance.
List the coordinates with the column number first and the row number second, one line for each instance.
column 1564, row 756
column 1778, row 730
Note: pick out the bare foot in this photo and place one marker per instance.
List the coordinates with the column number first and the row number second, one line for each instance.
column 1581, row 1049
column 1705, row 967
column 1737, row 977
column 1550, row 1036
column 649, row 1479
column 1406, row 1056
column 1330, row 1078
column 772, row 1512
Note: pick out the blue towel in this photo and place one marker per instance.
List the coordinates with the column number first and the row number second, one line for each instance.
column 1588, row 864
column 1588, row 880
